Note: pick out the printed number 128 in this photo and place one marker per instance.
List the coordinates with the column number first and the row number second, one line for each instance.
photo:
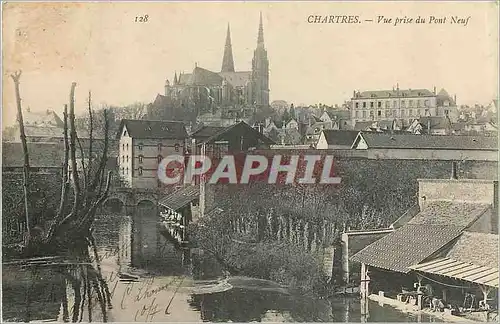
column 141, row 19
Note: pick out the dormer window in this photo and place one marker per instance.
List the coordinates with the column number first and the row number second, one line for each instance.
column 140, row 171
column 159, row 146
column 140, row 146
column 177, row 146
column 141, row 158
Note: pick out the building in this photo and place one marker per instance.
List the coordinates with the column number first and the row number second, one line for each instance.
column 449, row 246
column 336, row 139
column 235, row 94
column 142, row 146
column 45, row 158
column 410, row 146
column 402, row 104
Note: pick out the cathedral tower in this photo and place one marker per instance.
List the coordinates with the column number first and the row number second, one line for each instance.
column 227, row 60
column 260, row 70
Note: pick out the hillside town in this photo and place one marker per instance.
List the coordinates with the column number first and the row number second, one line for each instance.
column 413, row 224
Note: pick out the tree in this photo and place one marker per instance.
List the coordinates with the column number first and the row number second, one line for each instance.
column 69, row 233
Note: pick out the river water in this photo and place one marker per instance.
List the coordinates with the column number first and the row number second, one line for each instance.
column 164, row 283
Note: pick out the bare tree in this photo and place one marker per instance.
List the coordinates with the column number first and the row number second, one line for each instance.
column 15, row 77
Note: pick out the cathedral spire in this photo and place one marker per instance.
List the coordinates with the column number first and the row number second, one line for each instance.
column 260, row 39
column 175, row 78
column 227, row 60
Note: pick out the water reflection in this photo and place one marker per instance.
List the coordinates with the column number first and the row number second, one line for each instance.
column 150, row 280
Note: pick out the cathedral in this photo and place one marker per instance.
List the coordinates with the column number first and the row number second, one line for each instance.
column 228, row 92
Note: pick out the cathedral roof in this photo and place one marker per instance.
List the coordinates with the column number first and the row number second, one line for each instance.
column 237, row 79
column 204, row 77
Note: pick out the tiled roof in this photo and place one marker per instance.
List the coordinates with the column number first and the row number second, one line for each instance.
column 453, row 142
column 43, row 131
column 153, row 129
column 205, row 132
column 359, row 126
column 407, row 246
column 40, row 154
column 237, row 79
column 180, row 198
column 340, row 137
column 217, row 136
column 476, row 248
column 435, row 122
column 45, row 118
column 449, row 213
column 435, row 226
column 336, row 113
column 204, row 77
column 394, row 94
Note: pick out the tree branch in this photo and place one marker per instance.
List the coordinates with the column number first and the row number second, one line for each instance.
column 74, row 168
column 91, row 130
column 104, row 157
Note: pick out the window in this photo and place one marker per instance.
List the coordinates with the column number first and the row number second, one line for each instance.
column 379, row 113
column 140, row 171
column 364, row 113
column 140, row 146
column 123, row 170
column 177, row 146
column 123, row 158
column 371, row 104
column 394, row 113
column 123, row 147
column 159, row 158
column 395, row 104
column 427, row 112
column 125, row 133
column 364, row 104
column 126, row 171
column 411, row 112
column 127, row 146
column 402, row 113
column 387, row 113
column 371, row 113
column 427, row 103
column 446, row 112
column 141, row 158
column 419, row 103
column 159, row 146
column 379, row 104
column 357, row 105
column 356, row 114
column 403, row 104
column 387, row 104
column 127, row 158
column 410, row 103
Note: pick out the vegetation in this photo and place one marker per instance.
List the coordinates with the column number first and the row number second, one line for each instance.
column 68, row 234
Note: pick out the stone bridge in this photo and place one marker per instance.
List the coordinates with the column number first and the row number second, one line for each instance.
column 130, row 198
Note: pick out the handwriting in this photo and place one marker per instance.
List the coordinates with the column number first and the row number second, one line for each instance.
column 142, row 19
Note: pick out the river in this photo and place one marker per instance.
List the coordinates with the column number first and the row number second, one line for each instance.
column 161, row 282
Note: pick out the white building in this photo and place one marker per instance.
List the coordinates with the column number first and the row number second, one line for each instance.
column 143, row 144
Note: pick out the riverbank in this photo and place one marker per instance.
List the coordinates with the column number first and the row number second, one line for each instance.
column 412, row 309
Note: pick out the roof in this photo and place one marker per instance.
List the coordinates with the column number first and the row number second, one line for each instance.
column 184, row 78
column 394, row 93
column 214, row 212
column 467, row 247
column 40, row 154
column 438, row 224
column 204, row 77
column 362, row 125
column 205, row 132
column 237, row 79
column 435, row 122
column 460, row 270
column 451, row 142
column 337, row 113
column 447, row 212
column 180, row 198
column 340, row 137
column 45, row 118
column 223, row 131
column 407, row 246
column 153, row 129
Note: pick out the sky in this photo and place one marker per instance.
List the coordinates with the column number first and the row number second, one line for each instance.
column 101, row 48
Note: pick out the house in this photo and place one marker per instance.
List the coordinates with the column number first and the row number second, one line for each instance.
column 444, row 245
column 336, row 139
column 222, row 140
column 433, row 125
column 292, row 124
column 142, row 146
column 410, row 146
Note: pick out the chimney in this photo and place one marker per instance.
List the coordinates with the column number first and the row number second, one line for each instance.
column 455, row 99
column 434, row 89
column 454, row 171
column 354, row 94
